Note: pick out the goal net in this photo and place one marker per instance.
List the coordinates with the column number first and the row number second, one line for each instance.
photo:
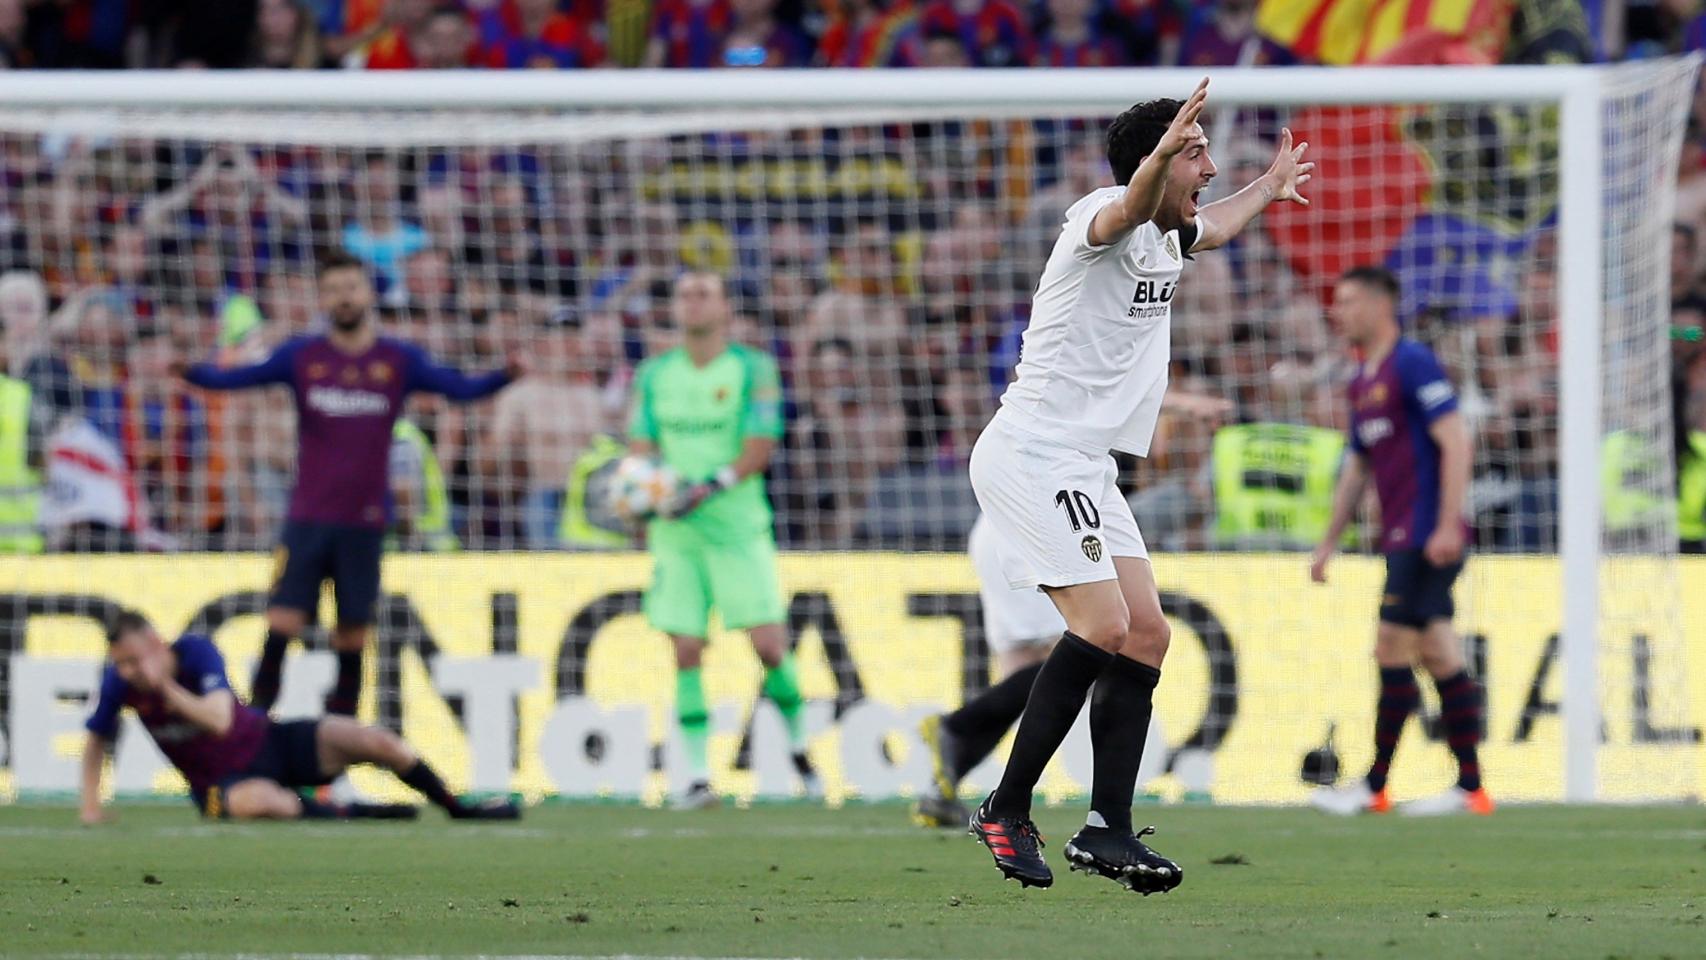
column 881, row 237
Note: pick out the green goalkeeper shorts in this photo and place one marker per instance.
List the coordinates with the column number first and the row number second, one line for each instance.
column 692, row 575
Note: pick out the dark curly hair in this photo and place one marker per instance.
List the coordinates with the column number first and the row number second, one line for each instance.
column 1135, row 134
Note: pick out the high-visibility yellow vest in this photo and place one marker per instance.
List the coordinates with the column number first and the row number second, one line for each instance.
column 1628, row 471
column 1273, row 483
column 432, row 523
column 20, row 487
column 578, row 526
column 1691, row 490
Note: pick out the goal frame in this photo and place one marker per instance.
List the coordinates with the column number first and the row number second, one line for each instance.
column 1580, row 93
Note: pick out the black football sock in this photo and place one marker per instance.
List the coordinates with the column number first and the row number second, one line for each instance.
column 1056, row 698
column 1119, row 724
column 263, row 691
column 1399, row 697
column 346, row 693
column 424, row 780
column 1460, row 708
column 985, row 719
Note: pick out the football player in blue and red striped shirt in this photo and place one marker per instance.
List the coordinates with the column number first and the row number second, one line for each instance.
column 349, row 386
column 239, row 763
column 1407, row 434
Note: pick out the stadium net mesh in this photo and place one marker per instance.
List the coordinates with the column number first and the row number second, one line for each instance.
column 886, row 258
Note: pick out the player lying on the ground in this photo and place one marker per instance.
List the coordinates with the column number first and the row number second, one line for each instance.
column 1091, row 377
column 239, row 763
column 349, row 385
column 712, row 409
column 1407, row 433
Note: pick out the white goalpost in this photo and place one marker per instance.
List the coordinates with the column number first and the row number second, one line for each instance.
column 878, row 229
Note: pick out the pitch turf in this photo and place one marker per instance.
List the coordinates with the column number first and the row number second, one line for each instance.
column 858, row 882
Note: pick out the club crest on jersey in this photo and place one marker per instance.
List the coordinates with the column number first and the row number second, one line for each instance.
column 722, row 394
column 379, row 371
column 1172, row 247
column 1092, row 548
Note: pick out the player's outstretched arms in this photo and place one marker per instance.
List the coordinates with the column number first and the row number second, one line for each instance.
column 1352, row 480
column 90, row 810
column 210, row 376
column 1224, row 219
column 1142, row 195
column 432, row 377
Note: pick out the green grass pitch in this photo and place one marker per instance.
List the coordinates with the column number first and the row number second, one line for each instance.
column 793, row 881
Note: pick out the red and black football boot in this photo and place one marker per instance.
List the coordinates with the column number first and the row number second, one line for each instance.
column 1015, row 844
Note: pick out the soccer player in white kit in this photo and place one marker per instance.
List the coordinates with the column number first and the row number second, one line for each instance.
column 1092, row 373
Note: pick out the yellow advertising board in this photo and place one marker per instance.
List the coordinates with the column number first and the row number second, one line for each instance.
column 552, row 668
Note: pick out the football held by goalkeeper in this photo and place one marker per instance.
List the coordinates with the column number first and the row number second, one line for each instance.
column 712, row 410
column 1091, row 378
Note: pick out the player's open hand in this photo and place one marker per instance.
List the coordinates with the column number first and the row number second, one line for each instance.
column 1289, row 171
column 1445, row 547
column 1185, row 130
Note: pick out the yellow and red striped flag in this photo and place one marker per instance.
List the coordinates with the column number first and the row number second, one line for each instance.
column 1365, row 31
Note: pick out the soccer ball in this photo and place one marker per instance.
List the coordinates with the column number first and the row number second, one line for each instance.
column 641, row 487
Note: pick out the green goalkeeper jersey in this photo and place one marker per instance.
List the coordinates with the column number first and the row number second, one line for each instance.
column 699, row 417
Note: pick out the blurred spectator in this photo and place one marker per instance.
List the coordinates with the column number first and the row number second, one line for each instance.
column 1687, row 299
column 445, row 41
column 964, row 404
column 1071, row 38
column 77, row 34
column 208, row 34
column 843, row 439
column 536, row 34
column 792, row 277
column 758, row 39
column 167, row 439
column 286, row 37
column 394, row 46
column 1222, row 33
column 945, row 50
column 15, row 53
column 379, row 233
column 871, row 33
column 541, row 425
column 688, row 33
column 993, row 32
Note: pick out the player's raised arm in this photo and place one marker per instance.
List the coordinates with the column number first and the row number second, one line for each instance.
column 275, row 368
column 1142, row 197
column 430, row 376
column 1224, row 219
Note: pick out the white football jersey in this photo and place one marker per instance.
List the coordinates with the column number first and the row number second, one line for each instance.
column 1093, row 366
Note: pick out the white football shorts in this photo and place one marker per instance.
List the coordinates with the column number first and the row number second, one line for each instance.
column 1059, row 512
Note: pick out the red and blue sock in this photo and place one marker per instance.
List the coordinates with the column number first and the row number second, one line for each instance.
column 1461, row 709
column 1399, row 697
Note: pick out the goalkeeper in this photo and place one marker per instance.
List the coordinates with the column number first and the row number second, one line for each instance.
column 712, row 410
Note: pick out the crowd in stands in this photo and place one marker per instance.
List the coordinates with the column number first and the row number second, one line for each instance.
column 577, row 34
column 891, row 278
